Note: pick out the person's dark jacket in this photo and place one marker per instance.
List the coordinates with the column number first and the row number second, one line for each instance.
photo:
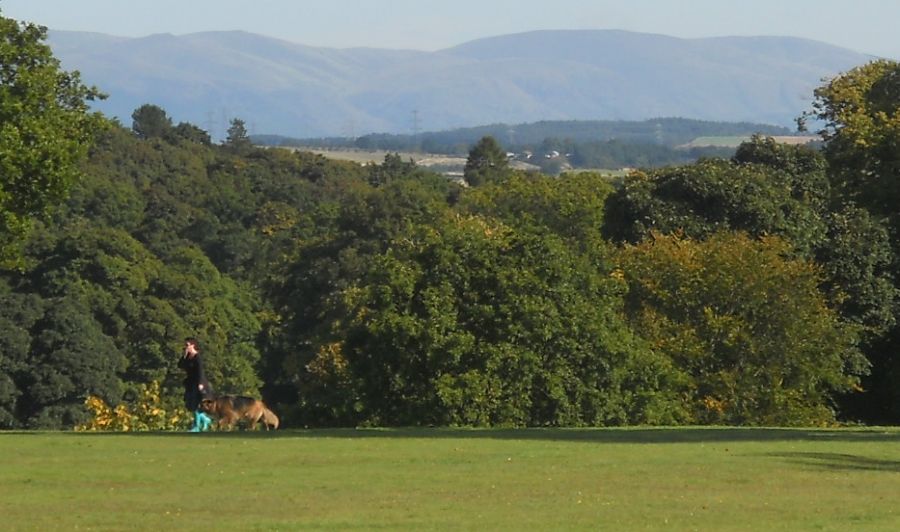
column 193, row 366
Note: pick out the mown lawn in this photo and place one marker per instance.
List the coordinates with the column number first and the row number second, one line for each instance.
column 421, row 479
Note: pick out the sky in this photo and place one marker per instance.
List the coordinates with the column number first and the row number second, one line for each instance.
column 867, row 26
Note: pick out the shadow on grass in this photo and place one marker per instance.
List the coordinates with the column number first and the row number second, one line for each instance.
column 636, row 435
column 839, row 461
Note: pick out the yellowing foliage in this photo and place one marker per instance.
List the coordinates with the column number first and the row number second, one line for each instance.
column 746, row 323
column 144, row 414
column 329, row 361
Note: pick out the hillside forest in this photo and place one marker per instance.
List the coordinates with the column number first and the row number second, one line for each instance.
column 756, row 289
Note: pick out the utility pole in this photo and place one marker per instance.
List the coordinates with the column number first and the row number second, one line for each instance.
column 210, row 124
column 415, row 128
column 349, row 130
column 225, row 124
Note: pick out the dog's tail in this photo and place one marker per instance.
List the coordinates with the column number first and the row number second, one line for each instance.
column 269, row 418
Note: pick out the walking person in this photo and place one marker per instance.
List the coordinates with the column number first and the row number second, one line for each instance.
column 196, row 387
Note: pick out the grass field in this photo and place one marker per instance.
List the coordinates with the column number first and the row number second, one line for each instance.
column 425, row 479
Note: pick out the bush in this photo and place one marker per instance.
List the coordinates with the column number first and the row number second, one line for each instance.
column 145, row 413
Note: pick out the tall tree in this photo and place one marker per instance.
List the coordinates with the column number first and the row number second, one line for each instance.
column 45, row 130
column 487, row 161
column 238, row 140
column 861, row 114
column 860, row 110
column 150, row 121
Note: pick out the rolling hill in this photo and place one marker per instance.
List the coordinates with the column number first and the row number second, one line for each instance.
column 280, row 87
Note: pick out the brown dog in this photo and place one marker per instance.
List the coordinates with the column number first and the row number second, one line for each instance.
column 233, row 409
column 269, row 419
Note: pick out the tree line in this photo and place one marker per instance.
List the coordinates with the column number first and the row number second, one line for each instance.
column 598, row 144
column 754, row 289
column 661, row 131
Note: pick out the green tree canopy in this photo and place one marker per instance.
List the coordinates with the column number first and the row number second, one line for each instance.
column 571, row 206
column 749, row 328
column 468, row 322
column 860, row 113
column 238, row 140
column 768, row 189
column 860, row 110
column 408, row 312
column 150, row 121
column 486, row 162
column 714, row 194
column 45, row 130
column 70, row 357
column 191, row 133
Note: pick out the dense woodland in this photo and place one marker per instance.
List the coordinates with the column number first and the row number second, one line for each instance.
column 759, row 289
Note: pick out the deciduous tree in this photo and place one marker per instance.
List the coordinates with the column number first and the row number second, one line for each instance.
column 748, row 325
column 46, row 128
column 860, row 110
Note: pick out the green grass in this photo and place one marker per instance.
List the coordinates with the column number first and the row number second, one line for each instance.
column 421, row 479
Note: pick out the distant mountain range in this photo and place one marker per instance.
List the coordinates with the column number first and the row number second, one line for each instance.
column 278, row 87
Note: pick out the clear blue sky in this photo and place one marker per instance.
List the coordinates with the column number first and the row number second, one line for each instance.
column 868, row 26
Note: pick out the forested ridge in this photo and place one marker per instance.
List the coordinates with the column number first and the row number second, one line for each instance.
column 757, row 289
